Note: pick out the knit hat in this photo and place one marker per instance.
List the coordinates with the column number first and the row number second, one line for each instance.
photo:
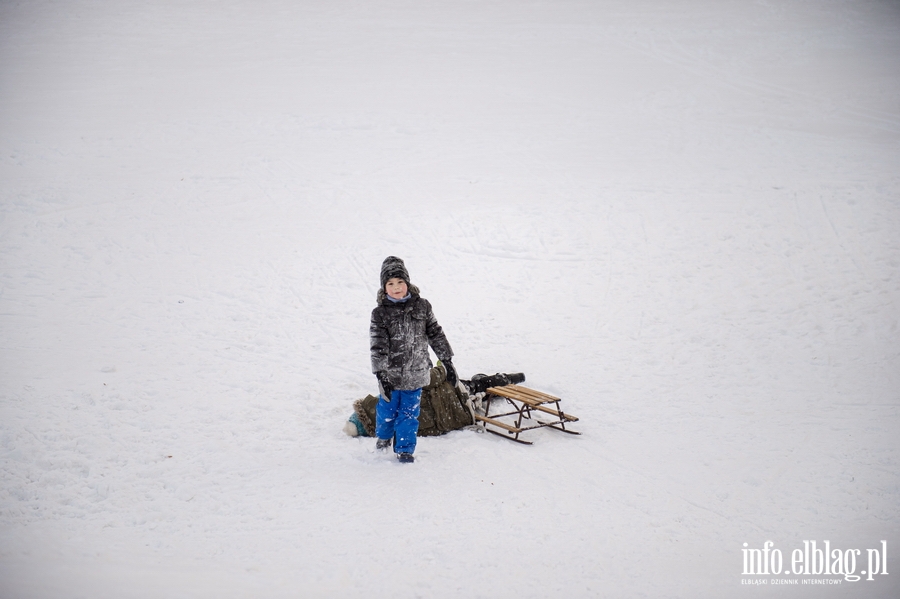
column 393, row 267
column 354, row 427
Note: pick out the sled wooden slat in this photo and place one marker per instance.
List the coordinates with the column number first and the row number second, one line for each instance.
column 524, row 394
column 523, row 401
column 564, row 416
column 508, row 427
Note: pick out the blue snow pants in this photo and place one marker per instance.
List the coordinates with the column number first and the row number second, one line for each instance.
column 399, row 417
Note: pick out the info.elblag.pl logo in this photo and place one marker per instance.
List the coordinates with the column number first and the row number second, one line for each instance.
column 813, row 559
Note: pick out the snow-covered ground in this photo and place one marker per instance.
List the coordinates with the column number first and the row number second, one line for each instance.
column 681, row 217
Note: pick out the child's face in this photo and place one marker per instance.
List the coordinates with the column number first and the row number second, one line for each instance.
column 396, row 288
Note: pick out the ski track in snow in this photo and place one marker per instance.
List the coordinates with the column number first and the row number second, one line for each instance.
column 683, row 221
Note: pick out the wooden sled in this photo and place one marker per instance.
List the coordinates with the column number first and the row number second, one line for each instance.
column 526, row 404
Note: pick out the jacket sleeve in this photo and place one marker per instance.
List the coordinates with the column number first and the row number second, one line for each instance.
column 436, row 338
column 379, row 342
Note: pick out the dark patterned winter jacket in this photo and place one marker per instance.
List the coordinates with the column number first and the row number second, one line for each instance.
column 399, row 336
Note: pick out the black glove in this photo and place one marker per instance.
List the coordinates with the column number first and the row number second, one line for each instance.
column 386, row 387
column 452, row 378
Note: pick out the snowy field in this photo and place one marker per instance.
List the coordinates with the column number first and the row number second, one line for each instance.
column 683, row 218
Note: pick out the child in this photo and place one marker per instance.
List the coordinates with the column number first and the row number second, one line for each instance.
column 402, row 327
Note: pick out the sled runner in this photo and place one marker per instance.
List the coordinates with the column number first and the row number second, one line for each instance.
column 526, row 404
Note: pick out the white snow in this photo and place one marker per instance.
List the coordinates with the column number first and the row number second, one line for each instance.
column 683, row 218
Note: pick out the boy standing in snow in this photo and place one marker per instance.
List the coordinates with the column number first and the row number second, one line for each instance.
column 402, row 327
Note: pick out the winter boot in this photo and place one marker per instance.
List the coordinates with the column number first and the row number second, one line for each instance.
column 383, row 444
column 481, row 382
column 515, row 378
column 406, row 458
